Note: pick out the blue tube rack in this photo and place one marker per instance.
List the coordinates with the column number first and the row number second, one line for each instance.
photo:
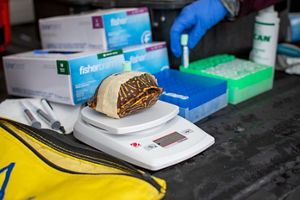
column 196, row 96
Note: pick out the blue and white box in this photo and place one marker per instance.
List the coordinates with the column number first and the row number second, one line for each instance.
column 151, row 58
column 196, row 96
column 102, row 30
column 68, row 78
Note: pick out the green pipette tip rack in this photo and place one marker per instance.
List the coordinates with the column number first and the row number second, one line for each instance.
column 245, row 79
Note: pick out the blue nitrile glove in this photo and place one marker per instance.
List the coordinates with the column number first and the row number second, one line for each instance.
column 195, row 19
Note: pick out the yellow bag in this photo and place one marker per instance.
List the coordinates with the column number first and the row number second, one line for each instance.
column 39, row 164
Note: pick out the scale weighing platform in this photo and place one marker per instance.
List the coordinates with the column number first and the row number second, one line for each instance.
column 153, row 139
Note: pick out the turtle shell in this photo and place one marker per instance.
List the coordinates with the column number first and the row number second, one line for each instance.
column 125, row 93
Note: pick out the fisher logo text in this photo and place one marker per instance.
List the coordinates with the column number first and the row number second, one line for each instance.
column 118, row 21
column 89, row 69
column 136, row 59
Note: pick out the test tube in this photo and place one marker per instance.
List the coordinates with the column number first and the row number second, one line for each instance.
column 185, row 50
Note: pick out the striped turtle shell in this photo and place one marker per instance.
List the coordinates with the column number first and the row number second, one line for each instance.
column 125, row 93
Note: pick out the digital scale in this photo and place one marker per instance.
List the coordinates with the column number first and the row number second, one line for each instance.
column 153, row 139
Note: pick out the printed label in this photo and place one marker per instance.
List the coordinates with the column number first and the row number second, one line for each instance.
column 152, row 59
column 137, row 11
column 262, row 38
column 88, row 72
column 48, row 26
column 109, row 54
column 187, row 131
column 125, row 28
column 97, row 22
column 137, row 59
column 146, row 37
column 156, row 47
column 118, row 21
column 62, row 67
column 150, row 147
column 264, row 43
column 264, row 23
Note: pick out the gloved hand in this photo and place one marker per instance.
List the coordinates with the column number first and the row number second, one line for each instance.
column 195, row 19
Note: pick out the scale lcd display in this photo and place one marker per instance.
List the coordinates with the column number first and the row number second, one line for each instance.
column 170, row 139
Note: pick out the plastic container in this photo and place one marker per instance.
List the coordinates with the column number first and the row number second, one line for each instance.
column 245, row 79
column 197, row 96
column 265, row 37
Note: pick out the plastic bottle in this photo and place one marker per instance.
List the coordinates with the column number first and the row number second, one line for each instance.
column 265, row 37
column 185, row 50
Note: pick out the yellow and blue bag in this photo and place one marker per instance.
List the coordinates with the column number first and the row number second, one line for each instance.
column 40, row 164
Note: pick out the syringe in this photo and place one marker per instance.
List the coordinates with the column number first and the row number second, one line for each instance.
column 29, row 116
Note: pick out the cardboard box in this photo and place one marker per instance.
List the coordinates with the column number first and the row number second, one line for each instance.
column 69, row 78
column 103, row 30
column 151, row 58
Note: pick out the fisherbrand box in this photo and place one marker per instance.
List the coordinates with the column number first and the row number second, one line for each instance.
column 151, row 58
column 63, row 77
column 102, row 29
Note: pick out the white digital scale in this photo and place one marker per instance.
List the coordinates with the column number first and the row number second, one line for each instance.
column 153, row 139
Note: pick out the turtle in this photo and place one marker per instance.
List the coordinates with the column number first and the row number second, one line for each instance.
column 125, row 93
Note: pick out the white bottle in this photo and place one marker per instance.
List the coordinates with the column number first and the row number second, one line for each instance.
column 265, row 37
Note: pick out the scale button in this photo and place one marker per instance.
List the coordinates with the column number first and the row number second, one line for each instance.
column 150, row 147
column 187, row 131
column 135, row 144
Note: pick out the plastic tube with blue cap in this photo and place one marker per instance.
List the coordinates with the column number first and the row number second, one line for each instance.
column 185, row 50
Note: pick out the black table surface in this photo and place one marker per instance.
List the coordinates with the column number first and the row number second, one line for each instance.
column 256, row 154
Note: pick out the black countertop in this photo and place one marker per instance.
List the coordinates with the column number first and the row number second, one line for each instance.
column 256, row 154
column 257, row 150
